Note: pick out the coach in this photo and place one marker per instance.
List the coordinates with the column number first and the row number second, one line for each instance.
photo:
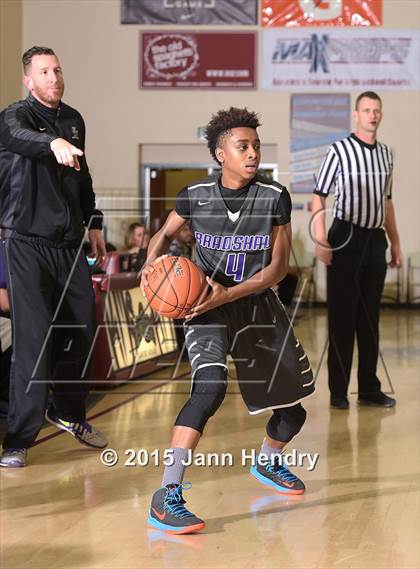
column 360, row 170
column 46, row 204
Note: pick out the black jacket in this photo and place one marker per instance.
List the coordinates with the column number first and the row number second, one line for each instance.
column 38, row 196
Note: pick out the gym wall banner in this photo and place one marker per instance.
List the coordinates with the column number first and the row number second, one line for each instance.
column 134, row 335
column 292, row 13
column 339, row 59
column 197, row 12
column 316, row 121
column 198, row 60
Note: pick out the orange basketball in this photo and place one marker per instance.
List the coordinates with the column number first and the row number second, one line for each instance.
column 175, row 286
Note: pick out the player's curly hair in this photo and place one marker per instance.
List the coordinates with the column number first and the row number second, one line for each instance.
column 222, row 122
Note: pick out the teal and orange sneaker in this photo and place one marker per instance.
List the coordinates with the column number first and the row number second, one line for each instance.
column 168, row 513
column 278, row 477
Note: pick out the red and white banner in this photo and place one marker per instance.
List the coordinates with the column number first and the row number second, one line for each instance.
column 292, row 13
column 340, row 59
column 197, row 60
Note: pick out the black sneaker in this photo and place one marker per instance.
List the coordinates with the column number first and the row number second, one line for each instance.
column 83, row 432
column 376, row 399
column 278, row 477
column 339, row 402
column 167, row 511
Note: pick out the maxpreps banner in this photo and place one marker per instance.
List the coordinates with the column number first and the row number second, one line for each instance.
column 340, row 59
column 197, row 60
column 321, row 13
column 189, row 12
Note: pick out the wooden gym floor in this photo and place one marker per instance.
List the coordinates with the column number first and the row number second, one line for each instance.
column 361, row 509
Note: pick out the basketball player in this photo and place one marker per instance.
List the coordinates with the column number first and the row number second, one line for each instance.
column 241, row 223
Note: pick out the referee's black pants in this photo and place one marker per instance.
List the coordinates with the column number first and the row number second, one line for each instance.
column 355, row 282
column 53, row 323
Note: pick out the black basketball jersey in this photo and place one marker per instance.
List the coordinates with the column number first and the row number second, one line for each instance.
column 232, row 247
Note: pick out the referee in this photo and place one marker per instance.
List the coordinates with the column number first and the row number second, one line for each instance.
column 360, row 170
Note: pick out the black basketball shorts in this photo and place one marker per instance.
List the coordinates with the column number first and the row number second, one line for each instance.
column 272, row 368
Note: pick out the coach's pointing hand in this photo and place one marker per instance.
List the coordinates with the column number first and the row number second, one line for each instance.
column 65, row 153
column 219, row 295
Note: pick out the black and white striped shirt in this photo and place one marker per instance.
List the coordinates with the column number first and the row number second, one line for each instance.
column 362, row 176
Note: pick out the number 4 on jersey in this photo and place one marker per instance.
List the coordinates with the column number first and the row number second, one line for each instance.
column 235, row 266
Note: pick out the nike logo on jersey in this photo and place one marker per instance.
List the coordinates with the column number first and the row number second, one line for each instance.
column 160, row 516
column 42, row 129
column 203, row 203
